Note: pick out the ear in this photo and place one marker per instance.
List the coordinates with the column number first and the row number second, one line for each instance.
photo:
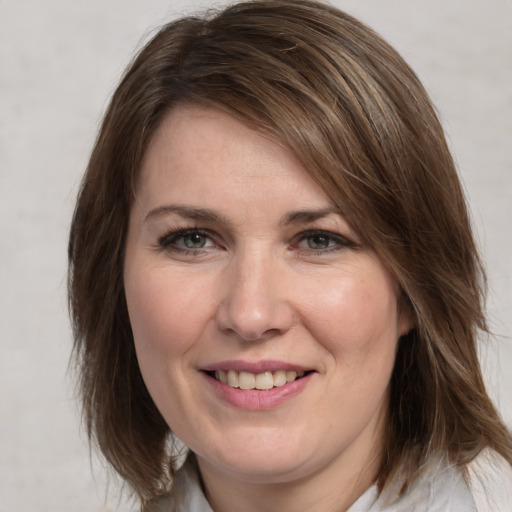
column 406, row 314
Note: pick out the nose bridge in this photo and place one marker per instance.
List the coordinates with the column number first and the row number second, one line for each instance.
column 254, row 305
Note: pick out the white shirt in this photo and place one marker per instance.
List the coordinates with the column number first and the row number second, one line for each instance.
column 487, row 488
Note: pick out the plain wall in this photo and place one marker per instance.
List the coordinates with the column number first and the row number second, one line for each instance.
column 59, row 62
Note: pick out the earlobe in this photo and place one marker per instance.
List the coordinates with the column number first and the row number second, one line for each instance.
column 406, row 315
column 405, row 324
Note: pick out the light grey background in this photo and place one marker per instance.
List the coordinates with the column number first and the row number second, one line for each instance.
column 59, row 62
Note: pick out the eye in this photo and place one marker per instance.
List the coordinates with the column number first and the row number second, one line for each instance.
column 322, row 241
column 194, row 240
column 319, row 241
column 186, row 240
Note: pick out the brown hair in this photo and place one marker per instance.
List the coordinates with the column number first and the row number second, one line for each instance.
column 362, row 125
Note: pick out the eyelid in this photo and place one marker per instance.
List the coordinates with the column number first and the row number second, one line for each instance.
column 166, row 241
column 342, row 241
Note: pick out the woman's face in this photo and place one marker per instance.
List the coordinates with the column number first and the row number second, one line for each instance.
column 265, row 332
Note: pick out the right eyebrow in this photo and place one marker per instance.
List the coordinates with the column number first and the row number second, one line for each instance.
column 187, row 212
column 307, row 216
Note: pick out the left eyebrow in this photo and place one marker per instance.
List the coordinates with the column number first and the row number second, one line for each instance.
column 197, row 214
column 307, row 216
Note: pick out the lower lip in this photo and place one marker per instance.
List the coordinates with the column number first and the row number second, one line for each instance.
column 255, row 399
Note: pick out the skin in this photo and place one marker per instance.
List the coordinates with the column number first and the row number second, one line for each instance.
column 257, row 285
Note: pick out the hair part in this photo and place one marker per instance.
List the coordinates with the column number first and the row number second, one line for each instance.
column 345, row 103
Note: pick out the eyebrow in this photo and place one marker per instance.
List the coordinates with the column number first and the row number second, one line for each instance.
column 207, row 215
column 199, row 214
column 307, row 216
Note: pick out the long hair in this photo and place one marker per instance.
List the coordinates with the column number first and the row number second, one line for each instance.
column 358, row 119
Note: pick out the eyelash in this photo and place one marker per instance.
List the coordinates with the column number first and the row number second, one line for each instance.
column 168, row 241
column 339, row 242
column 335, row 242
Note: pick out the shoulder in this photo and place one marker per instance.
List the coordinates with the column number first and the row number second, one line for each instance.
column 490, row 479
column 484, row 485
column 441, row 488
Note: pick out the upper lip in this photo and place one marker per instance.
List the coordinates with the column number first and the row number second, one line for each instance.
column 255, row 367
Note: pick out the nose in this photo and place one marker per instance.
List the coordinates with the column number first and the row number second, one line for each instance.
column 255, row 303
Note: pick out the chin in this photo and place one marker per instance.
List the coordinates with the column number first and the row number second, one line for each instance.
column 260, row 462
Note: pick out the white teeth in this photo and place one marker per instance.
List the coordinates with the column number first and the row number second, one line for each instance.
column 291, row 376
column 246, row 380
column 222, row 376
column 232, row 379
column 279, row 378
column 265, row 380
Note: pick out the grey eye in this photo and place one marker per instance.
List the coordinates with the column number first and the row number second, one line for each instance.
column 194, row 241
column 319, row 241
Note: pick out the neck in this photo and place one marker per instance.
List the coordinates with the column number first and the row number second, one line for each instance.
column 333, row 488
column 306, row 495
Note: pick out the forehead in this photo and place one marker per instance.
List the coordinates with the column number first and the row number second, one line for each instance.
column 197, row 151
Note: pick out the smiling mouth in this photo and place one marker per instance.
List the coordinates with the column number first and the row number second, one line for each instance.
column 261, row 381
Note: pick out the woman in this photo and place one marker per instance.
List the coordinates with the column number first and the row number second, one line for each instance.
column 271, row 261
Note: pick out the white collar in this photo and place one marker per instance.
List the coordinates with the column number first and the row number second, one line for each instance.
column 444, row 489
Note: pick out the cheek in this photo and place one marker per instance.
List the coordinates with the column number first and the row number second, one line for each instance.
column 355, row 317
column 167, row 320
column 166, row 311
